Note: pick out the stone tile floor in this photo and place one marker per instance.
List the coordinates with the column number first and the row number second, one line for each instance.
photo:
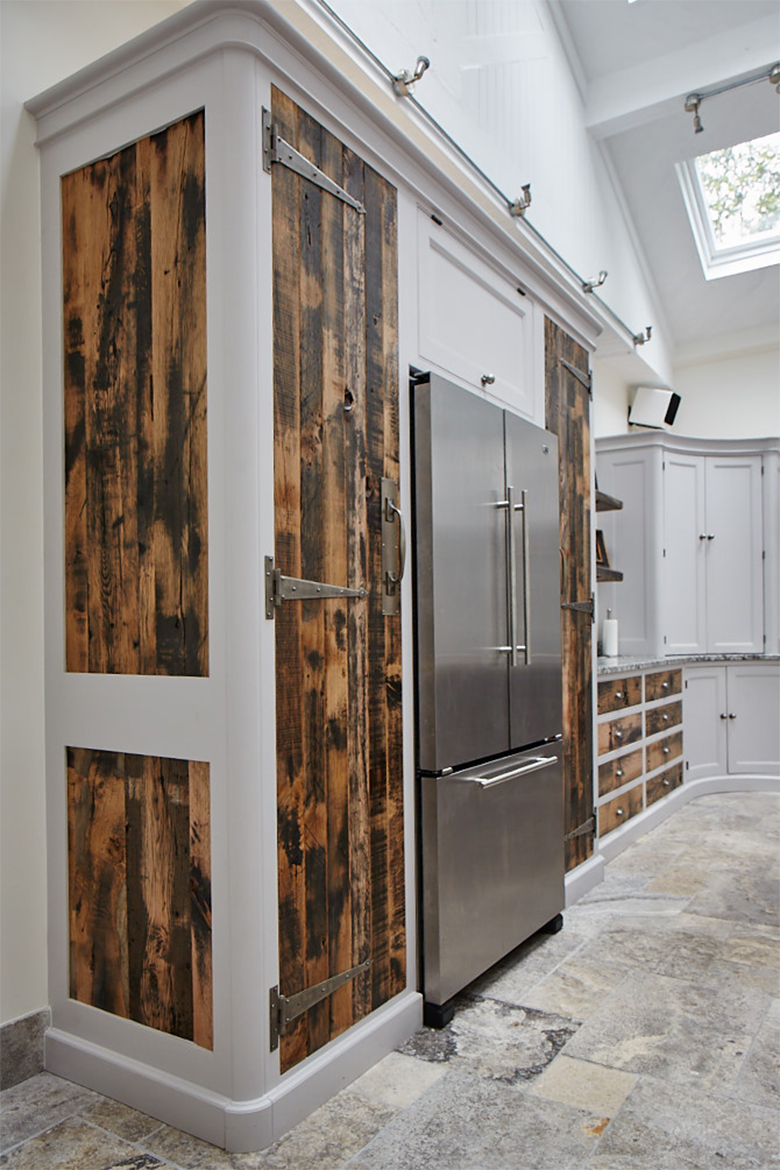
column 645, row 1035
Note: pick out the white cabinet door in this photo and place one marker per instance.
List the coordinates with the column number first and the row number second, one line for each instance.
column 733, row 551
column 705, row 721
column 476, row 324
column 685, row 551
column 753, row 691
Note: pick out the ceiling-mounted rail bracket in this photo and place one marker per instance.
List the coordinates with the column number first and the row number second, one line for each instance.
column 277, row 150
column 286, row 1008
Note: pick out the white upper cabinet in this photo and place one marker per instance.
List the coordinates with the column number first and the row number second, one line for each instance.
column 698, row 520
column 476, row 323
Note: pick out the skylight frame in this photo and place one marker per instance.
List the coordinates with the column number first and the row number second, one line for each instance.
column 717, row 260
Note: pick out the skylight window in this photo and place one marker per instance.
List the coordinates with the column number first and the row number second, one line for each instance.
column 732, row 197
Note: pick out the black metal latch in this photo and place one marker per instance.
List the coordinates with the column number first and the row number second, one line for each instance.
column 588, row 607
column 588, row 828
column 286, row 1008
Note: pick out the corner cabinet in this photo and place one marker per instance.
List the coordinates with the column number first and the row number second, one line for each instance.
column 731, row 719
column 695, row 542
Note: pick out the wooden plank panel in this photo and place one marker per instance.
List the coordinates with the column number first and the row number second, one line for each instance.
column 662, row 684
column 615, row 773
column 663, row 783
column 663, row 751
column 135, row 408
column 336, row 423
column 287, row 512
column 568, row 416
column 616, row 693
column 662, row 718
column 139, row 889
column 620, row 809
column 618, row 733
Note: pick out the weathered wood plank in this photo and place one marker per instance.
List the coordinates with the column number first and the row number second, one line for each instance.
column 139, row 889
column 335, row 422
column 287, row 513
column 568, row 416
column 135, row 408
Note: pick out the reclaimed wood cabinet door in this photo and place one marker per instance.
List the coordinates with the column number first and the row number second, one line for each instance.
column 568, row 416
column 338, row 661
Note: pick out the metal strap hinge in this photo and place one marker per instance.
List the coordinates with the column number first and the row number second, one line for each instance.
column 277, row 150
column 586, row 828
column 582, row 376
column 588, row 607
column 279, row 588
column 286, row 1008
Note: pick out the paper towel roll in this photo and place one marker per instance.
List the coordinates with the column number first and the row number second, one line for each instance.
column 609, row 637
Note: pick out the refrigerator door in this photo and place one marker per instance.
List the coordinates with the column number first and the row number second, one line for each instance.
column 461, row 576
column 535, row 691
column 493, row 864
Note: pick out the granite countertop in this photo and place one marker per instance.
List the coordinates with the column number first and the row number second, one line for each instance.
column 625, row 663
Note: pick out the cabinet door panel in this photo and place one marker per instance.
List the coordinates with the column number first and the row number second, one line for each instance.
column 684, row 563
column 733, row 553
column 705, row 732
column 754, row 732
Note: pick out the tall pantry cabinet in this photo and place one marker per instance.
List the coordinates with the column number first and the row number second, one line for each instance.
column 234, row 240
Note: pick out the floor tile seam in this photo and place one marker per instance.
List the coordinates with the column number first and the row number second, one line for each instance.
column 38, row 1133
column 112, row 1133
column 743, row 1065
column 137, row 1146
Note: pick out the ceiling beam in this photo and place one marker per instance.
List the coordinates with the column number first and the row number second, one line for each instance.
column 633, row 97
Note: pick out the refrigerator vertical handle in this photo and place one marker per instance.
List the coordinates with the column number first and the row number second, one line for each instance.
column 511, row 572
column 526, row 648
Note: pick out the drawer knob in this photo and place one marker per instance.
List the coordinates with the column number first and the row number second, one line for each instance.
column 665, row 686
column 619, row 772
column 488, row 379
column 667, row 750
column 618, row 694
column 667, row 783
column 724, row 716
column 619, row 734
column 619, row 812
column 665, row 718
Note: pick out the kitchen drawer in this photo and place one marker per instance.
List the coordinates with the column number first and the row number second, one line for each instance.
column 663, row 783
column 618, row 733
column 616, row 693
column 663, row 718
column 622, row 770
column 620, row 809
column 663, row 684
column 663, row 751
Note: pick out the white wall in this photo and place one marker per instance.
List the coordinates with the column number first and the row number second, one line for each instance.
column 730, row 395
column 41, row 42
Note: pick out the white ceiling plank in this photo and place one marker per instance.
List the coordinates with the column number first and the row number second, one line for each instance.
column 629, row 98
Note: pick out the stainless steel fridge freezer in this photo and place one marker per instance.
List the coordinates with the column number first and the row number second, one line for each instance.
column 488, row 672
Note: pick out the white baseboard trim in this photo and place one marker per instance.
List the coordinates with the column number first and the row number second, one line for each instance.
column 579, row 881
column 238, row 1126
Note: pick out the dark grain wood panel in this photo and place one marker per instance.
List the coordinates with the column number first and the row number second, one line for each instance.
column 662, row 684
column 620, row 809
column 568, row 415
column 616, row 693
column 336, row 435
column 134, row 327
column 140, row 889
column 663, row 783
column 663, row 751
column 622, row 770
column 619, row 733
column 663, row 718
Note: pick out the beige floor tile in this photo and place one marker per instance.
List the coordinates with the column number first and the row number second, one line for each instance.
column 597, row 1089
column 398, row 1080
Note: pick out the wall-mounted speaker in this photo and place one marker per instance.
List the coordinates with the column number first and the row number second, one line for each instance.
column 653, row 408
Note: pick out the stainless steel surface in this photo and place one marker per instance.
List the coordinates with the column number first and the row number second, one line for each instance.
column 489, row 711
column 279, row 588
column 494, row 865
column 460, row 577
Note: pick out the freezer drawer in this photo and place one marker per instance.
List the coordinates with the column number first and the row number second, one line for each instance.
column 492, row 863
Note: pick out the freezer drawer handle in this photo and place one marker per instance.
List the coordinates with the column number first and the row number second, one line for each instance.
column 279, row 588
column 491, row 781
column 511, row 568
